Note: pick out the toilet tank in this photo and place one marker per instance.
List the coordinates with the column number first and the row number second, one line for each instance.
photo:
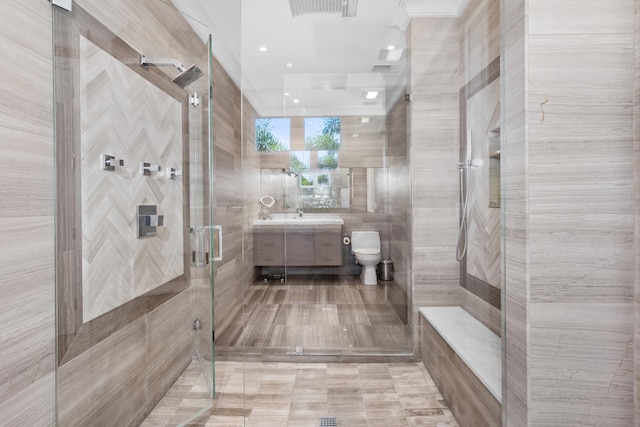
column 365, row 239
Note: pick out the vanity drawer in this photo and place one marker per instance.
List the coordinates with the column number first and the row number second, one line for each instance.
column 328, row 257
column 268, row 247
column 327, row 245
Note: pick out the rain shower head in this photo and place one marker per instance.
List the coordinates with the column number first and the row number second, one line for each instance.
column 187, row 75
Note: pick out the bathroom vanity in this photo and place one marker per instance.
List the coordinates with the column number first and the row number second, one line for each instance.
column 314, row 240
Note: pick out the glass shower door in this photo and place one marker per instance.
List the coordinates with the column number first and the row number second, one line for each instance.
column 204, row 236
column 133, row 173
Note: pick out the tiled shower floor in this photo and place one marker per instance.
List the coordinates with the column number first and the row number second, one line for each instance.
column 299, row 394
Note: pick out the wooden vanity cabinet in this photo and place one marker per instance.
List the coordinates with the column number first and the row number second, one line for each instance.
column 298, row 246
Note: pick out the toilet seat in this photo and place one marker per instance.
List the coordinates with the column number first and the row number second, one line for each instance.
column 367, row 251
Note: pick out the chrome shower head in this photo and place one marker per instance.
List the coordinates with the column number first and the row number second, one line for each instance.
column 188, row 76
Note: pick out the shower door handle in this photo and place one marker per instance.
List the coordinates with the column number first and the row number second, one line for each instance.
column 200, row 245
column 217, row 242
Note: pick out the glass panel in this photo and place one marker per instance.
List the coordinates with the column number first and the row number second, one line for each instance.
column 202, row 184
column 130, row 289
column 348, row 157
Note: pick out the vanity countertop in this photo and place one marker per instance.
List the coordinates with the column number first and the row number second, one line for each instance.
column 295, row 219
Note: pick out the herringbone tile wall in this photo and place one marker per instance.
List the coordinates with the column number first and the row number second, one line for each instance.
column 125, row 116
column 483, row 252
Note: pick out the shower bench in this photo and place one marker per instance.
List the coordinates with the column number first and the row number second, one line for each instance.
column 463, row 357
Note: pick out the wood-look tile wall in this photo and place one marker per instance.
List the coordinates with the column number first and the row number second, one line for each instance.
column 434, row 148
column 515, row 170
column 569, row 215
column 636, row 168
column 27, row 301
column 399, row 206
column 230, row 200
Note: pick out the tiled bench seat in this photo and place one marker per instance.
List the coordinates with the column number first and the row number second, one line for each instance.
column 464, row 359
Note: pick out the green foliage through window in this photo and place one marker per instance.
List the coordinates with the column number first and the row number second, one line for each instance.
column 300, row 161
column 327, row 159
column 322, row 133
column 266, row 139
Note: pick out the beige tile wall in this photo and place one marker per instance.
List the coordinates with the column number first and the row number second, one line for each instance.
column 636, row 127
column 230, row 200
column 399, row 205
column 27, row 307
column 434, row 149
column 515, row 148
column 569, row 253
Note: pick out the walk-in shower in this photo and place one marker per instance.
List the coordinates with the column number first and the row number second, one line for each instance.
column 187, row 75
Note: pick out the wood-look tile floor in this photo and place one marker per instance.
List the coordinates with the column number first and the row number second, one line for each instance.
column 318, row 314
column 299, row 394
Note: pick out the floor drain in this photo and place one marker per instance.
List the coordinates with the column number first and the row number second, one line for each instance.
column 328, row 422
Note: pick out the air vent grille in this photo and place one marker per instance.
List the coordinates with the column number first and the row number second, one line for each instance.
column 381, row 68
column 323, row 8
column 328, row 422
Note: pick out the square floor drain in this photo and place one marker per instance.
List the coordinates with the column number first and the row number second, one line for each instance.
column 328, row 422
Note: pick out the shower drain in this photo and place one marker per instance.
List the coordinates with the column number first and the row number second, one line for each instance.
column 328, row 422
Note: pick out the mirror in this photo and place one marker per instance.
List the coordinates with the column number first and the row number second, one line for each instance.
column 352, row 190
column 267, row 202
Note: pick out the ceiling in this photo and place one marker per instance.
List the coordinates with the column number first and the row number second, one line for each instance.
column 334, row 61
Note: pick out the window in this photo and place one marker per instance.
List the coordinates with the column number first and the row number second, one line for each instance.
column 273, row 134
column 322, row 133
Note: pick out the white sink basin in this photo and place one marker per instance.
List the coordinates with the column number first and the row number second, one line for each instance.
column 295, row 219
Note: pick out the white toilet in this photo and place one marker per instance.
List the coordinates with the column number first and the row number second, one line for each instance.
column 366, row 247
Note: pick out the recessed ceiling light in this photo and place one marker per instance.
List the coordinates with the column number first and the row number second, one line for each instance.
column 262, row 48
column 295, row 101
column 391, row 47
column 289, row 64
column 355, row 135
column 365, row 120
column 287, row 94
column 372, row 94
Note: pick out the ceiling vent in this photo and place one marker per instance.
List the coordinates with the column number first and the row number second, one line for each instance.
column 323, row 8
column 381, row 68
